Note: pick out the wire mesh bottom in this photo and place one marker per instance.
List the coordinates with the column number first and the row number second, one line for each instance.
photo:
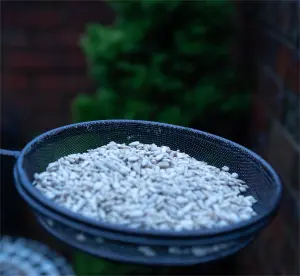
column 23, row 257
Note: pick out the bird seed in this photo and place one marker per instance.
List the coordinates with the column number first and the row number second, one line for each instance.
column 146, row 187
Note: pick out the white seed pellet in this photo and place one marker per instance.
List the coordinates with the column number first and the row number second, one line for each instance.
column 133, row 158
column 146, row 187
column 181, row 199
column 144, row 163
column 163, row 165
column 159, row 157
column 133, row 144
column 235, row 175
column 225, row 168
column 136, row 214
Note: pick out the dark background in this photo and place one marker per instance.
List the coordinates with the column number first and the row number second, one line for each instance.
column 43, row 69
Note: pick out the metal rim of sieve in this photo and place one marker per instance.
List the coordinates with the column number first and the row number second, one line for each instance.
column 26, row 183
column 107, row 253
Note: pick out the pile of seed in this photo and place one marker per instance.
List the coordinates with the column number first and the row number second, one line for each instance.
column 148, row 187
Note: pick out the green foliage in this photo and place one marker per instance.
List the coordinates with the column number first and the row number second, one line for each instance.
column 88, row 265
column 162, row 60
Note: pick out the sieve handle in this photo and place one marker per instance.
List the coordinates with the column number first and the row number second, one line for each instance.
column 12, row 153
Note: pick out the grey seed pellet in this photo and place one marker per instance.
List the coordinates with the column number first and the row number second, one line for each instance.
column 147, row 251
column 174, row 250
column 242, row 189
column 50, row 222
column 163, row 165
column 146, row 187
column 80, row 237
column 99, row 240
column 199, row 252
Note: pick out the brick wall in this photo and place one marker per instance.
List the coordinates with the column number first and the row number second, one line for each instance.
column 43, row 67
column 272, row 44
column 42, row 70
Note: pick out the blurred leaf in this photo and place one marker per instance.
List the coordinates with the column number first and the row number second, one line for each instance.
column 170, row 115
column 236, row 102
column 100, row 106
column 206, row 95
column 162, row 60
column 85, row 264
column 84, row 109
column 139, row 110
column 173, row 115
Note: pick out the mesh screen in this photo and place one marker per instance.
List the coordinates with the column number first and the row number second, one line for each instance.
column 262, row 180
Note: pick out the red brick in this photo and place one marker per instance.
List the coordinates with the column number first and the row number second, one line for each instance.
column 45, row 14
column 282, row 153
column 284, row 58
column 57, row 39
column 68, row 38
column 28, row 60
column 32, row 18
column 274, row 245
column 271, row 90
column 13, row 38
column 292, row 79
column 33, row 60
column 286, row 241
column 290, row 212
column 260, row 116
column 267, row 252
column 247, row 257
column 270, row 49
column 289, row 261
column 39, row 122
column 22, row 100
column 268, row 237
column 259, row 126
column 79, row 13
column 255, row 39
column 14, row 82
column 61, row 83
column 285, row 16
column 49, row 110
column 296, row 173
column 77, row 60
column 46, row 103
